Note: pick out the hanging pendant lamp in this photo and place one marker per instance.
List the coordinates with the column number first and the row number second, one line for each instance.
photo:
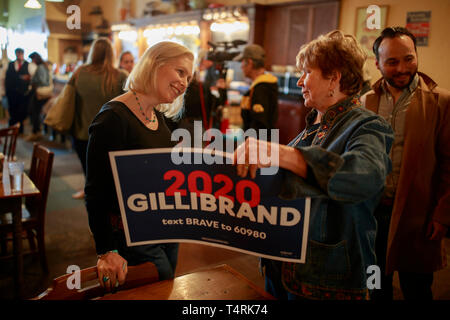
column 32, row 4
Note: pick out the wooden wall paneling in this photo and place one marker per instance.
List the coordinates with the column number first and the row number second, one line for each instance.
column 300, row 31
column 325, row 18
column 276, row 36
column 289, row 26
column 257, row 24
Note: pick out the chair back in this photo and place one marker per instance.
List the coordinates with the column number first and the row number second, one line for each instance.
column 8, row 138
column 90, row 288
column 40, row 173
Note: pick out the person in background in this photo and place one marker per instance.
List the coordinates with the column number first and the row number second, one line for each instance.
column 95, row 82
column 126, row 61
column 199, row 101
column 340, row 160
column 260, row 104
column 133, row 120
column 4, row 101
column 40, row 78
column 414, row 212
column 17, row 79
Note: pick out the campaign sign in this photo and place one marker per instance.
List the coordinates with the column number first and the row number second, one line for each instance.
column 207, row 203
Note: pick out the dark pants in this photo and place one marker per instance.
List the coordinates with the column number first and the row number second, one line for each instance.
column 18, row 107
column 164, row 256
column 80, row 147
column 272, row 279
column 35, row 112
column 383, row 216
column 413, row 285
column 416, row 286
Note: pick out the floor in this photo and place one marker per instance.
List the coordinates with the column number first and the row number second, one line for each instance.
column 69, row 241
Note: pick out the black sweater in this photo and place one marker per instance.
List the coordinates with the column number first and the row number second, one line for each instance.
column 114, row 128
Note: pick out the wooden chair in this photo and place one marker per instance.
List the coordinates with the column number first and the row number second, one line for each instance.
column 89, row 286
column 33, row 211
column 8, row 138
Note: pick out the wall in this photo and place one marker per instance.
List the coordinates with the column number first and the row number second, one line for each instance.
column 24, row 22
column 433, row 59
column 18, row 14
column 61, row 37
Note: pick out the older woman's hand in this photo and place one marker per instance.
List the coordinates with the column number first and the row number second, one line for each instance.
column 254, row 154
column 112, row 270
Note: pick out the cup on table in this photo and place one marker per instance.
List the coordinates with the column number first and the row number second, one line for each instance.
column 16, row 171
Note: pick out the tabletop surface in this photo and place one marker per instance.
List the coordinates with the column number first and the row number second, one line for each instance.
column 5, row 185
column 217, row 283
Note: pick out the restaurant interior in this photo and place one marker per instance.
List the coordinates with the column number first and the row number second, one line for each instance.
column 62, row 31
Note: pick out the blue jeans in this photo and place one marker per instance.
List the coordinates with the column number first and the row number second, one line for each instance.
column 273, row 283
column 164, row 256
column 272, row 279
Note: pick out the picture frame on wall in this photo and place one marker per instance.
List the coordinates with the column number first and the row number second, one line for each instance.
column 363, row 34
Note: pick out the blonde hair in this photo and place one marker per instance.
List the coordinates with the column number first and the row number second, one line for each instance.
column 143, row 77
column 336, row 51
column 101, row 61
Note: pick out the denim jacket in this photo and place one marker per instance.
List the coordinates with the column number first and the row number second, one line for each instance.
column 348, row 160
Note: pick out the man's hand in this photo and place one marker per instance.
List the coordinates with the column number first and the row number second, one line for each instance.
column 436, row 231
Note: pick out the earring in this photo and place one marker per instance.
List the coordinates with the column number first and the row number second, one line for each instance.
column 331, row 93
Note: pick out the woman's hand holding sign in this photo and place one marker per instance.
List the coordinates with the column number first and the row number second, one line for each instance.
column 254, row 154
column 251, row 155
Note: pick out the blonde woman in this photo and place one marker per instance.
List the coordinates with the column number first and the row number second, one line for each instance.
column 96, row 82
column 133, row 120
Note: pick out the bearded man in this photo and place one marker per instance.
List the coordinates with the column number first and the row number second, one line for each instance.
column 414, row 213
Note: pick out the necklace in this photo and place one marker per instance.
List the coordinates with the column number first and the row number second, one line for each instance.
column 153, row 119
column 307, row 134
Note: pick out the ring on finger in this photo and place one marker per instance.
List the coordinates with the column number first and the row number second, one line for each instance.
column 105, row 278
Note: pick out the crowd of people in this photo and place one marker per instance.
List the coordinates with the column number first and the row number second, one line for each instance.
column 354, row 158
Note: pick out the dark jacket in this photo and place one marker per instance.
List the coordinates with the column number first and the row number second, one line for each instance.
column 14, row 84
column 193, row 102
column 260, row 104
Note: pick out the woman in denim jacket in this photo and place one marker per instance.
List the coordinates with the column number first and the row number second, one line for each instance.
column 340, row 160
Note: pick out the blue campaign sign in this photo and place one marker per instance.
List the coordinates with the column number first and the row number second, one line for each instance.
column 161, row 201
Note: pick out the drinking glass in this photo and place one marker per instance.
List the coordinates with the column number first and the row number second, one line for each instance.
column 16, row 171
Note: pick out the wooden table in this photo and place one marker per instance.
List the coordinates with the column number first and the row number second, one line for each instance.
column 217, row 283
column 12, row 202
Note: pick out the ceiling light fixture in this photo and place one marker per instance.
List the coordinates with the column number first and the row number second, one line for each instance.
column 32, row 4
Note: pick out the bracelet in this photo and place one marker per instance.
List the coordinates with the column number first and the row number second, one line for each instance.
column 111, row 251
